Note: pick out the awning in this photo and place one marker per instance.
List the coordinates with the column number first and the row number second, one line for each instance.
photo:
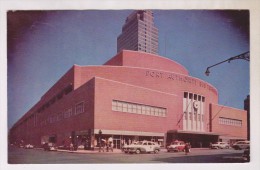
column 232, row 137
column 193, row 132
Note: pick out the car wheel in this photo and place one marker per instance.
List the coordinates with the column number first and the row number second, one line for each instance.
column 156, row 151
column 137, row 151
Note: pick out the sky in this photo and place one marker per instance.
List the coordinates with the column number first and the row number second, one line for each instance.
column 44, row 45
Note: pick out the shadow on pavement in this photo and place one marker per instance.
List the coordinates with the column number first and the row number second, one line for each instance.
column 222, row 158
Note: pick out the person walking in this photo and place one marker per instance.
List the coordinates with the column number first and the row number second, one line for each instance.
column 71, row 147
column 187, row 148
column 111, row 146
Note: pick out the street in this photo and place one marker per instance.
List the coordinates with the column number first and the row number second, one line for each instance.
column 200, row 155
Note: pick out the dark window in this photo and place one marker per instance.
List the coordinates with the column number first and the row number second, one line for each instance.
column 195, row 97
column 190, row 96
column 185, row 94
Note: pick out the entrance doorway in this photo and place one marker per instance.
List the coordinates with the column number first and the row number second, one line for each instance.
column 117, row 143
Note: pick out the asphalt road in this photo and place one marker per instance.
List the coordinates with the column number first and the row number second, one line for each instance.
column 36, row 156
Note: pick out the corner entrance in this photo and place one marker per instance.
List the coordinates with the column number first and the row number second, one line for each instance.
column 196, row 139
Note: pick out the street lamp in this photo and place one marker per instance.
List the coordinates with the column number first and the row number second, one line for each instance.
column 100, row 133
column 244, row 56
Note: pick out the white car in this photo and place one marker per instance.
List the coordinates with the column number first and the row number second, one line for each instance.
column 143, row 147
column 176, row 146
column 220, row 145
column 29, row 146
column 241, row 145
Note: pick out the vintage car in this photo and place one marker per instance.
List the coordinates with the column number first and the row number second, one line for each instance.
column 176, row 146
column 28, row 146
column 241, row 145
column 220, row 145
column 49, row 147
column 246, row 154
column 142, row 147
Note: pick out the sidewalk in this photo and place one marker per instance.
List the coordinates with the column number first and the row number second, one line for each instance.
column 96, row 150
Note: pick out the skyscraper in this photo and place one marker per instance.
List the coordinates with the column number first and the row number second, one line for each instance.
column 139, row 33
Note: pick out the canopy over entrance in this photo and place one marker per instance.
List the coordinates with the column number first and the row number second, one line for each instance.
column 196, row 139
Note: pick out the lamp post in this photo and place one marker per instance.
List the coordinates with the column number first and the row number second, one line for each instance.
column 99, row 134
column 243, row 56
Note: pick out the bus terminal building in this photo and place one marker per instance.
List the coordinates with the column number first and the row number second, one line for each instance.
column 133, row 96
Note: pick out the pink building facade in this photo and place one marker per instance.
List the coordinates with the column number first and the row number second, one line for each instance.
column 133, row 96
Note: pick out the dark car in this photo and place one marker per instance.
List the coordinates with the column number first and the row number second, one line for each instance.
column 49, row 147
column 241, row 145
column 246, row 154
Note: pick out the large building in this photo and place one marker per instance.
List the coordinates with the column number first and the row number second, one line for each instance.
column 139, row 33
column 133, row 96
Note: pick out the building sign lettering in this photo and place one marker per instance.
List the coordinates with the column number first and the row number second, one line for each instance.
column 179, row 78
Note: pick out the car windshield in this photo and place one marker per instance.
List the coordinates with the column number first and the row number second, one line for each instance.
column 176, row 143
column 138, row 143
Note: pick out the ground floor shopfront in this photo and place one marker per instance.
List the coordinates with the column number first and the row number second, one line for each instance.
column 89, row 139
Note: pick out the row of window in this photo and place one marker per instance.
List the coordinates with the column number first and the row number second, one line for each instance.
column 128, row 107
column 228, row 121
column 194, row 96
column 195, row 117
column 79, row 108
column 64, row 91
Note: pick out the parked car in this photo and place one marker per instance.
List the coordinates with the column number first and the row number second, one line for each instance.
column 143, row 147
column 220, row 145
column 63, row 147
column 241, row 145
column 49, row 147
column 28, row 146
column 246, row 154
column 125, row 147
column 176, row 146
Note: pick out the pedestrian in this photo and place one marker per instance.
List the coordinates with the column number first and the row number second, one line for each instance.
column 187, row 148
column 111, row 146
column 107, row 145
column 210, row 145
column 102, row 145
column 71, row 147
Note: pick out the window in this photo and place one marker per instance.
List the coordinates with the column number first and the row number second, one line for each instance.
column 190, row 96
column 229, row 121
column 143, row 109
column 114, row 105
column 134, row 108
column 79, row 108
column 59, row 116
column 138, row 108
column 129, row 108
column 124, row 107
column 67, row 113
column 195, row 97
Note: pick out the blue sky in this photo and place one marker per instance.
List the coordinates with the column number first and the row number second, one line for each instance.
column 43, row 45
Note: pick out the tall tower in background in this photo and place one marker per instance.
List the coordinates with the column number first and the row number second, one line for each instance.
column 247, row 108
column 139, row 33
